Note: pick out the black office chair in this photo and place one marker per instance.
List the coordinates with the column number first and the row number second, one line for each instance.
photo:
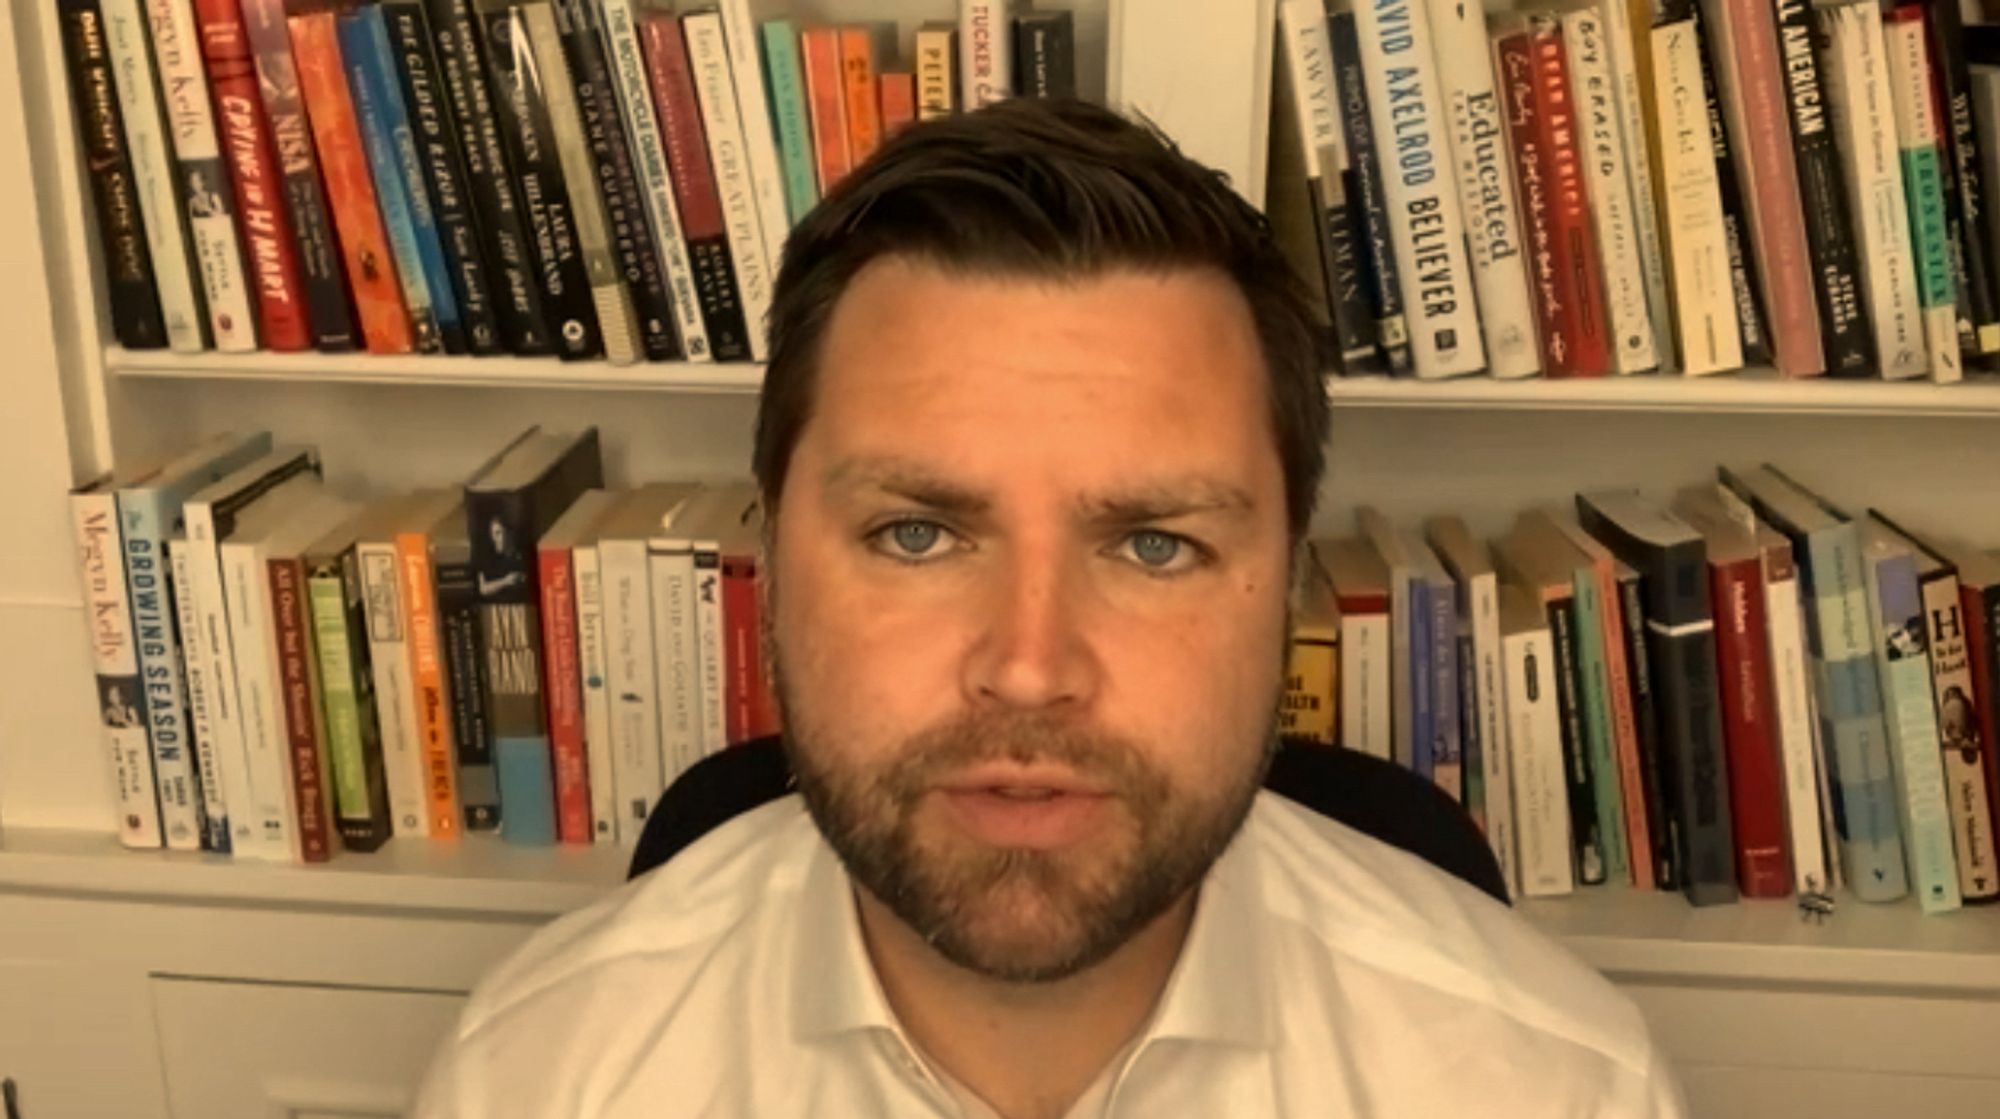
column 1366, row 793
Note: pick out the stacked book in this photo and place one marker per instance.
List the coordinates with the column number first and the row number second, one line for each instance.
column 284, row 671
column 1744, row 690
column 1609, row 187
column 582, row 178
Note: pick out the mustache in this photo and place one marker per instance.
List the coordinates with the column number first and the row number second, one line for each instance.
column 1021, row 738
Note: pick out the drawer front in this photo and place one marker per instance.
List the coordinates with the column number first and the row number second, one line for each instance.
column 237, row 1050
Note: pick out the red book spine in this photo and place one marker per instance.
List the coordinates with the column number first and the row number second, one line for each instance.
column 743, row 661
column 364, row 246
column 562, row 692
column 288, row 613
column 1579, row 271
column 1979, row 629
column 1750, row 728
column 261, row 218
column 819, row 50
column 899, row 103
column 680, row 123
column 864, row 106
column 1514, row 64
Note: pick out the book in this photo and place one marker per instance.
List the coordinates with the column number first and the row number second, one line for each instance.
column 392, row 678
column 1363, row 183
column 1849, row 690
column 861, row 47
column 937, row 70
column 1360, row 582
column 899, row 102
column 1922, row 157
column 1746, row 275
column 436, row 516
column 296, row 678
column 562, row 679
column 187, row 620
column 1666, row 870
column 1409, row 619
column 168, row 243
column 786, row 68
column 1045, row 54
column 352, row 725
column 1707, row 335
column 1966, row 220
column 121, row 234
column 985, row 46
column 1680, row 649
column 1544, row 865
column 1309, row 708
column 826, row 99
column 1587, row 51
column 1627, row 25
column 1488, row 777
column 736, row 169
column 679, row 648
column 737, row 35
column 455, row 599
column 593, row 666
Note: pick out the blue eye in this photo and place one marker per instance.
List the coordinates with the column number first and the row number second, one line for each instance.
column 1164, row 554
column 909, row 540
column 1155, row 549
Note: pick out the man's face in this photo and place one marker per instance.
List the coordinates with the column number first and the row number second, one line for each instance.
column 1028, row 602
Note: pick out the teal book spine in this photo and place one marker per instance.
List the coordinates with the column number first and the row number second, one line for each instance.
column 1594, row 676
column 788, row 108
column 1903, row 660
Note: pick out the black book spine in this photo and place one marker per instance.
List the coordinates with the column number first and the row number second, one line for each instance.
column 1844, row 332
column 1364, row 185
column 1743, row 280
column 531, row 147
column 1045, row 54
column 1964, row 206
column 1645, row 713
column 632, row 244
column 1472, row 747
column 1346, row 272
column 1692, row 715
column 443, row 172
column 517, row 294
column 121, row 231
column 1586, row 836
column 458, row 616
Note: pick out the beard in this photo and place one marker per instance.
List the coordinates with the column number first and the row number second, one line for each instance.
column 1017, row 914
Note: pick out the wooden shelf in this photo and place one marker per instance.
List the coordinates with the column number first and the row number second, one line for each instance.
column 1713, row 395
column 493, row 372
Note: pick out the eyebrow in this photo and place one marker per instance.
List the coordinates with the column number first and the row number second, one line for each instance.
column 1153, row 500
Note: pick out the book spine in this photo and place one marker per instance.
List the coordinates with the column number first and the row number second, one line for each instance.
column 1586, row 835
column 899, row 103
column 1578, row 256
column 1965, row 756
column 1416, row 663
column 212, row 683
column 1844, row 335
column 214, row 805
column 1363, row 183
column 826, row 99
column 1364, row 680
column 312, row 239
column 518, row 100
column 1923, row 184
column 693, row 181
column 510, row 642
column 121, row 232
column 441, row 172
column 366, row 82
column 1966, row 219
column 401, row 732
column 1630, row 789
column 167, row 241
column 1630, row 103
column 457, row 604
column 1896, row 617
column 370, row 264
column 1748, row 729
column 431, row 679
column 143, row 517
column 788, row 112
column 738, row 34
column 1593, row 676
column 115, row 659
column 708, row 64
column 1601, row 149
column 1848, row 41
column 1428, row 231
column 1700, row 276
column 562, row 684
column 1495, row 795
column 744, row 678
column 861, row 95
column 1753, row 322
column 937, row 72
column 1472, row 749
column 677, row 660
column 1447, row 737
column 1486, row 188
column 649, row 154
column 269, row 788
column 638, row 770
column 353, row 740
column 307, row 750
column 593, row 670
column 1986, row 678
column 1793, row 705
column 640, row 266
column 985, row 44
column 1652, row 784
column 713, row 644
column 1514, row 60
column 1307, row 710
column 264, row 223
column 1536, row 757
column 203, row 182
column 1692, row 717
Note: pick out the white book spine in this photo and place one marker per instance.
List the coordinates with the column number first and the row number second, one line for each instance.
column 1918, row 772
column 639, row 777
column 1364, row 685
column 1617, row 21
column 1786, row 625
column 260, row 703
column 1603, row 147
column 204, row 181
column 198, row 677
column 985, row 52
column 1857, row 85
column 1534, row 746
column 395, row 685
column 1708, row 337
column 594, row 666
column 1920, row 155
column 649, row 155
column 115, row 660
column 216, row 646
column 125, row 38
column 162, row 680
column 708, row 58
column 1486, row 188
column 1487, row 705
column 760, row 140
column 1420, row 189
column 712, row 642
column 1953, row 693
column 677, row 658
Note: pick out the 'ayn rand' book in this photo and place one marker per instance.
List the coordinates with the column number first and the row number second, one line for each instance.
column 1363, row 183
column 121, row 232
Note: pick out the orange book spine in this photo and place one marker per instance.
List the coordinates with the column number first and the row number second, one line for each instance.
column 427, row 675
column 820, row 48
column 1625, row 728
column 357, row 222
column 899, row 103
column 864, row 106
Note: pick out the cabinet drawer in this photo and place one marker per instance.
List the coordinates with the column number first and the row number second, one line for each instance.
column 236, row 1050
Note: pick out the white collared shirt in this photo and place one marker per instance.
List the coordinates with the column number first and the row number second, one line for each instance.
column 1325, row 974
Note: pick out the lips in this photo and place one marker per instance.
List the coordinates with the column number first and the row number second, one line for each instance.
column 1029, row 808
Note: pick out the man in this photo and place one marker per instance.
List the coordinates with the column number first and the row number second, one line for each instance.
column 1039, row 444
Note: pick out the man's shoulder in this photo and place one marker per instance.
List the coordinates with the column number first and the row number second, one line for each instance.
column 1352, row 900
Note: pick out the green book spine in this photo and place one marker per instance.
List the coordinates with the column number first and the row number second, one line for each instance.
column 1595, row 674
column 788, row 108
column 342, row 705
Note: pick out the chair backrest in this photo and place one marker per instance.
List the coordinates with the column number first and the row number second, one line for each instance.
column 1366, row 793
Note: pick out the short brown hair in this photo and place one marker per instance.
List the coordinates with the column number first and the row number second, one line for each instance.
column 1042, row 189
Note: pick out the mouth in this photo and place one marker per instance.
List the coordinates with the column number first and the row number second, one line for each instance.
column 1032, row 809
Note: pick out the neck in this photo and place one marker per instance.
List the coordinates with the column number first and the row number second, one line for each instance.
column 1027, row 1049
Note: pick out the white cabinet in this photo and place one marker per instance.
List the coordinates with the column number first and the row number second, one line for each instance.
column 75, row 1039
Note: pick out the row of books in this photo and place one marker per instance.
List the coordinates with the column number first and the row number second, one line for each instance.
column 283, row 670
column 583, row 178
column 1604, row 187
column 1742, row 692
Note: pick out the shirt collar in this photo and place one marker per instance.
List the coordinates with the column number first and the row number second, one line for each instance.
column 1217, row 991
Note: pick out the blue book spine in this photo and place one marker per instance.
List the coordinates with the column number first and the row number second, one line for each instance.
column 366, row 78
column 788, row 108
column 1902, row 638
column 1422, row 679
column 1447, row 760
column 1594, row 678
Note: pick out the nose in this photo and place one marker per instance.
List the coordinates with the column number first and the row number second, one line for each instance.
column 1032, row 648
